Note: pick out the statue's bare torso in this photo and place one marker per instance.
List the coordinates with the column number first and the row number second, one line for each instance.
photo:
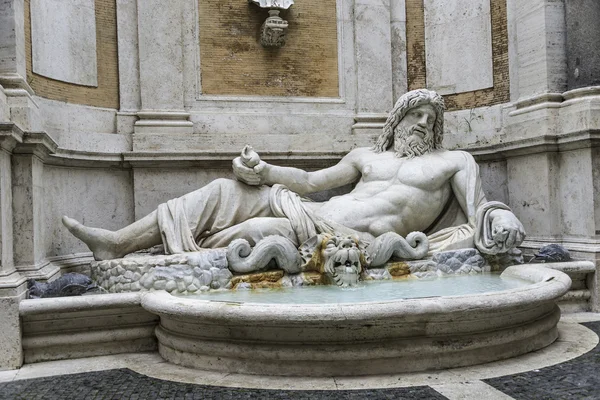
column 393, row 194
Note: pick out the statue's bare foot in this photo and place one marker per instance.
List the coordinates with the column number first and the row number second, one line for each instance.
column 103, row 243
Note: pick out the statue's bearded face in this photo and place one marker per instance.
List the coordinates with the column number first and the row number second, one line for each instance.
column 413, row 136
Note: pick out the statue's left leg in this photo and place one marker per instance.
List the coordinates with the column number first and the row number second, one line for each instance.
column 253, row 230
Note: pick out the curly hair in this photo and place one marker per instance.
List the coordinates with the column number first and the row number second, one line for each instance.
column 407, row 101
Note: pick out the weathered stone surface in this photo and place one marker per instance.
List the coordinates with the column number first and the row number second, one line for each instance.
column 11, row 353
column 179, row 273
column 63, row 38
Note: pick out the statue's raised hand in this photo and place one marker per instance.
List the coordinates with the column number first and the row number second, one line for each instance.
column 507, row 230
column 248, row 167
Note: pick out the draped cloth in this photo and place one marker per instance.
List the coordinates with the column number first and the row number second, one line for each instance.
column 285, row 203
column 471, row 227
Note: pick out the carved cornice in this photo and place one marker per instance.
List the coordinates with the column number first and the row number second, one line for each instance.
column 10, row 136
column 221, row 160
column 202, row 159
column 39, row 144
column 15, row 81
column 540, row 144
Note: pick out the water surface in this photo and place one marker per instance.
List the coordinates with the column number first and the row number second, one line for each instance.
column 370, row 291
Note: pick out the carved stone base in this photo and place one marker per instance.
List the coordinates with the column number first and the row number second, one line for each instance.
column 177, row 274
column 197, row 272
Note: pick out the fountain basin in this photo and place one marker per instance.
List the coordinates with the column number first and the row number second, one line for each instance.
column 363, row 338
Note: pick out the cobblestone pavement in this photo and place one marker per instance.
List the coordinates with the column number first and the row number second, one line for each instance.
column 124, row 384
column 575, row 379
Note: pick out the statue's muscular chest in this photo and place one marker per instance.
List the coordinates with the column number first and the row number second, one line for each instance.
column 428, row 172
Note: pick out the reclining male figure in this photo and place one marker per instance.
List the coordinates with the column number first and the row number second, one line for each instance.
column 405, row 183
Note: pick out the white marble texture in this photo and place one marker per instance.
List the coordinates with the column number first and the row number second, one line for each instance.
column 373, row 55
column 71, row 191
column 4, row 110
column 63, row 40
column 11, row 353
column 470, row 390
column 535, row 195
column 398, row 39
column 160, row 55
column 458, row 45
column 27, row 209
column 6, row 214
column 129, row 68
column 541, row 47
column 12, row 37
column 577, row 188
column 84, row 128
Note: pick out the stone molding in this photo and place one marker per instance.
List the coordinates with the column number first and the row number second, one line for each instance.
column 15, row 81
column 166, row 122
column 114, row 324
column 39, row 144
column 10, row 136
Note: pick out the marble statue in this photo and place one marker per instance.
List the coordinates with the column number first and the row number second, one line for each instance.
column 407, row 182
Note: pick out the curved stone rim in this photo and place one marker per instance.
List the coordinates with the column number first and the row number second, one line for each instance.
column 547, row 284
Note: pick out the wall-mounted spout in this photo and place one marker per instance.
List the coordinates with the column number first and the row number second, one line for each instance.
column 274, row 29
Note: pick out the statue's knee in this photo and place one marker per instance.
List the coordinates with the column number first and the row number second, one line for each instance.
column 223, row 183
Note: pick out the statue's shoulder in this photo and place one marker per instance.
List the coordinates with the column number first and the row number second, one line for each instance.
column 358, row 154
column 462, row 158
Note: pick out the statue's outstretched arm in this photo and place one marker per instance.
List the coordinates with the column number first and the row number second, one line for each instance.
column 298, row 180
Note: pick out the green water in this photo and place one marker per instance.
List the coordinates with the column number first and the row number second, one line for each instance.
column 370, row 291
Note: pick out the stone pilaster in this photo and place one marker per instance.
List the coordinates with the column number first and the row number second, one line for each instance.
column 541, row 47
column 11, row 348
column 161, row 69
column 398, row 43
column 373, row 49
column 11, row 282
column 583, row 43
column 13, row 73
column 12, row 43
column 129, row 70
column 28, row 205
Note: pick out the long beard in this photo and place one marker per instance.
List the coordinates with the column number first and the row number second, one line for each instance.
column 408, row 144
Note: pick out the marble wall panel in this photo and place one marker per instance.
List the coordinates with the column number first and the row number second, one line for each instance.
column 534, row 191
column 12, row 42
column 63, row 36
column 398, row 38
column 77, row 127
column 494, row 180
column 94, row 196
column 6, row 214
column 106, row 93
column 154, row 186
column 458, row 45
column 576, row 191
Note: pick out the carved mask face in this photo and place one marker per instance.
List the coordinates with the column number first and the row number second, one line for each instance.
column 342, row 260
column 413, row 136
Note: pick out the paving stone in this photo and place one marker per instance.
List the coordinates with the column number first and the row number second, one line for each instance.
column 574, row 380
column 124, row 384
